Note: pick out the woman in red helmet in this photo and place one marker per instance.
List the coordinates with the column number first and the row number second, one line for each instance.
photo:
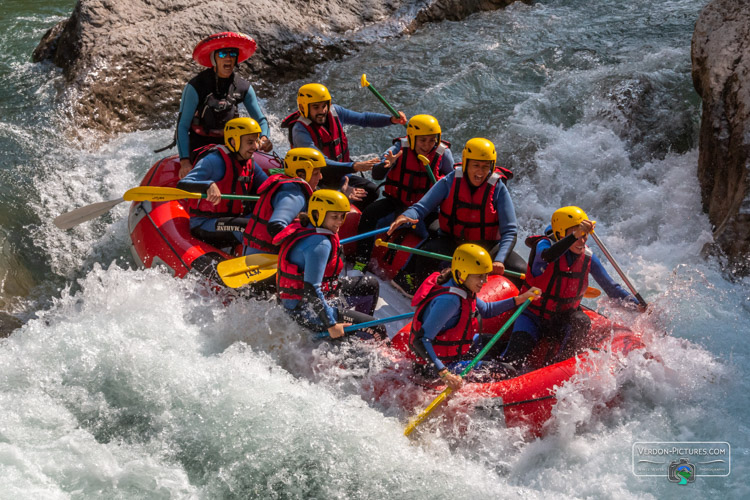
column 211, row 98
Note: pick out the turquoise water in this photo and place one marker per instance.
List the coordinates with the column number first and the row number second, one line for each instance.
column 126, row 383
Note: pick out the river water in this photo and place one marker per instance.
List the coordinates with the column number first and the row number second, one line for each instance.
column 126, row 383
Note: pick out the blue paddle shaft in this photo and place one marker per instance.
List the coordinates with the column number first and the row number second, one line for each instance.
column 359, row 326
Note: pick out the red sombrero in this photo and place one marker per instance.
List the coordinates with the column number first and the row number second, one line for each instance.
column 226, row 39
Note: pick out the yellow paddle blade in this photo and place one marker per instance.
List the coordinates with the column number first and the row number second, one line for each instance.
column 363, row 81
column 413, row 423
column 158, row 193
column 592, row 292
column 248, row 269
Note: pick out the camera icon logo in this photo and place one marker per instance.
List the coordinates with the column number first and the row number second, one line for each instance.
column 681, row 471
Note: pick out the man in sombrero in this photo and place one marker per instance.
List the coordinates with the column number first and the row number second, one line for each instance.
column 210, row 99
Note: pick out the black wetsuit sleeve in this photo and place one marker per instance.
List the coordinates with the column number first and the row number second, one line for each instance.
column 193, row 187
column 275, row 228
column 557, row 250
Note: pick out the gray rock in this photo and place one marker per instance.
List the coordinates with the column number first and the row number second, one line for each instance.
column 721, row 75
column 126, row 61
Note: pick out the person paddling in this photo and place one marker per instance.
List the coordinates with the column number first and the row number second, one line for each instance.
column 211, row 98
column 559, row 265
column 475, row 207
column 282, row 197
column 226, row 169
column 310, row 261
column 445, row 321
column 406, row 178
column 319, row 124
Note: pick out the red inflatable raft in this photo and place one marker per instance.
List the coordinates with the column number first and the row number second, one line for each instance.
column 160, row 231
column 527, row 399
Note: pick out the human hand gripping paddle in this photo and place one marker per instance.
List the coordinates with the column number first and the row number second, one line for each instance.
column 257, row 267
column 642, row 303
column 140, row 193
column 589, row 293
column 447, row 391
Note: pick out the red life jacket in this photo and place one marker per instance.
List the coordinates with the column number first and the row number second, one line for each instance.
column 330, row 138
column 450, row 345
column 407, row 180
column 290, row 280
column 562, row 285
column 471, row 216
column 256, row 233
column 238, row 179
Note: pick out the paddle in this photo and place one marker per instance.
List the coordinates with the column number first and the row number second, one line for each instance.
column 447, row 391
column 635, row 293
column 241, row 271
column 363, row 81
column 140, row 193
column 426, row 164
column 359, row 326
column 253, row 268
column 425, row 253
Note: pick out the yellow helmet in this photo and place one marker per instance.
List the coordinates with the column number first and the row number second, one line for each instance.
column 310, row 93
column 470, row 259
column 422, row 125
column 565, row 218
column 307, row 159
column 236, row 128
column 324, row 201
column 478, row 149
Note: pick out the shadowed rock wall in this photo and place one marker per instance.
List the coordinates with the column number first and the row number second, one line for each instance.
column 721, row 75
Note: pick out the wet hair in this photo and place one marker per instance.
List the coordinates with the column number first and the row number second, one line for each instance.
column 445, row 275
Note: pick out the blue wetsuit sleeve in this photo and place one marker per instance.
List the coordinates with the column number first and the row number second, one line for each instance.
column 188, row 105
column 301, row 139
column 432, row 199
column 349, row 117
column 288, row 201
column 259, row 177
column 316, row 258
column 441, row 314
column 508, row 225
column 492, row 309
column 446, row 164
column 253, row 109
column 539, row 264
column 604, row 280
column 208, row 170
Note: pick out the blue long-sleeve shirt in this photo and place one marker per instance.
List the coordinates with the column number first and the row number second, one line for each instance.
column 445, row 167
column 598, row 272
column 311, row 255
column 301, row 138
column 288, row 201
column 210, row 169
column 501, row 200
column 443, row 313
column 189, row 103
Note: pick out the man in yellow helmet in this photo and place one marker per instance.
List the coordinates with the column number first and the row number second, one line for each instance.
column 559, row 265
column 282, row 197
column 226, row 169
column 211, row 98
column 445, row 320
column 319, row 124
column 406, row 178
column 475, row 207
column 310, row 261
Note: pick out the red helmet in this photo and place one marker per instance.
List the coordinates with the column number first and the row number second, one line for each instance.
column 227, row 39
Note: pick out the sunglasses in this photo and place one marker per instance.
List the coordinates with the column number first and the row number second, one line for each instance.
column 228, row 53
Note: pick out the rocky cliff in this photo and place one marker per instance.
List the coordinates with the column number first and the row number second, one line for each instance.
column 126, row 61
column 721, row 75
